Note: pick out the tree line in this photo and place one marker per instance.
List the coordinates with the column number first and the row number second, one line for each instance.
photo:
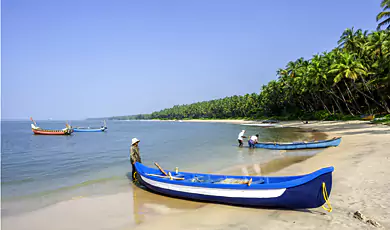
column 351, row 80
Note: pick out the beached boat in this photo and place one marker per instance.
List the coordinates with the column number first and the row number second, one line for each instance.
column 368, row 117
column 300, row 145
column 89, row 129
column 291, row 192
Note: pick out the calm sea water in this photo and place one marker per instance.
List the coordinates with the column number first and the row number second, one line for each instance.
column 40, row 170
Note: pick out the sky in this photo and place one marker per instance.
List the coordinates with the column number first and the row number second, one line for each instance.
column 96, row 58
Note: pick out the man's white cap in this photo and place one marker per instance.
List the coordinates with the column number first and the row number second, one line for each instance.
column 134, row 140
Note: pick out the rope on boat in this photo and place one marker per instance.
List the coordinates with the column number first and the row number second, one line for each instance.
column 326, row 198
column 135, row 178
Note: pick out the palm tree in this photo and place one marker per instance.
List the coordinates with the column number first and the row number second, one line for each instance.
column 353, row 41
column 385, row 15
column 379, row 44
column 350, row 68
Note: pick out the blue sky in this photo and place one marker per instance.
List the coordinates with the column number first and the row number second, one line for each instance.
column 78, row 59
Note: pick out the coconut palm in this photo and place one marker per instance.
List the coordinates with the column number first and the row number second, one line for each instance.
column 384, row 15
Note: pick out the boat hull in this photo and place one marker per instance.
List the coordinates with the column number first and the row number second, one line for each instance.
column 265, row 125
column 51, row 132
column 302, row 145
column 302, row 196
column 88, row 130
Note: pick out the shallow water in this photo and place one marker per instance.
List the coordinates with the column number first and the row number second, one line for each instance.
column 38, row 170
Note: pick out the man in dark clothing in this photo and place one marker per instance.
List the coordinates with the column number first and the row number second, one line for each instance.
column 134, row 155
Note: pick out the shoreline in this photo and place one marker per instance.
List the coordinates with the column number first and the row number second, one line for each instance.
column 362, row 144
column 290, row 123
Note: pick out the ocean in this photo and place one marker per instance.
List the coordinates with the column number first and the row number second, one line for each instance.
column 38, row 170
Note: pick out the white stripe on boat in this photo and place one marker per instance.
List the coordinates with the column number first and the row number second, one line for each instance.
column 247, row 193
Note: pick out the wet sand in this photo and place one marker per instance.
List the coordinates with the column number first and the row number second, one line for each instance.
column 360, row 183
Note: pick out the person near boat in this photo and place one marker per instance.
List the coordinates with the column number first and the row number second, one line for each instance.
column 134, row 155
column 253, row 140
column 241, row 138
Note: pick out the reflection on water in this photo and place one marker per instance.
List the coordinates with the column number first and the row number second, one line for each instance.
column 147, row 204
column 287, row 134
column 282, row 160
column 255, row 165
column 279, row 163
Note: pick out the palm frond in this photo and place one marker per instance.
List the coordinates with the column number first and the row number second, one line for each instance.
column 382, row 14
column 385, row 3
column 384, row 23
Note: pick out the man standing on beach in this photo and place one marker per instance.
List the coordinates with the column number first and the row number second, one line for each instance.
column 240, row 138
column 134, row 155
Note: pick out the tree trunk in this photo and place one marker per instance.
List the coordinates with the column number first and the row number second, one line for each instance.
column 346, row 103
column 323, row 104
column 337, row 104
column 385, row 107
column 353, row 98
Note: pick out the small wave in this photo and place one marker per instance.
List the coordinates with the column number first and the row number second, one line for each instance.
column 70, row 187
column 17, row 181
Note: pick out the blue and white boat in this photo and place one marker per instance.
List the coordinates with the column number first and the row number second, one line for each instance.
column 300, row 145
column 290, row 192
column 89, row 129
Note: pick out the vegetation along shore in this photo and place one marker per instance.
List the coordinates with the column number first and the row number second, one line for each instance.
column 348, row 82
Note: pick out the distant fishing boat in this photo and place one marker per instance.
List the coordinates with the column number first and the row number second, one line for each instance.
column 40, row 131
column 264, row 125
column 291, row 192
column 89, row 129
column 270, row 121
column 300, row 145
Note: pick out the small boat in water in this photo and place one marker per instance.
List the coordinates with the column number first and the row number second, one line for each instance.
column 89, row 129
column 266, row 125
column 300, row 145
column 291, row 192
column 40, row 131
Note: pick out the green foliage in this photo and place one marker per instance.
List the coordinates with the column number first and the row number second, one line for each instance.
column 351, row 80
column 384, row 15
column 321, row 115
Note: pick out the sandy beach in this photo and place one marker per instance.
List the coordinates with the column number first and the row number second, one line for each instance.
column 360, row 183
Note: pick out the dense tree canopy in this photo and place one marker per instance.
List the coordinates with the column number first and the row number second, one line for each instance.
column 352, row 79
